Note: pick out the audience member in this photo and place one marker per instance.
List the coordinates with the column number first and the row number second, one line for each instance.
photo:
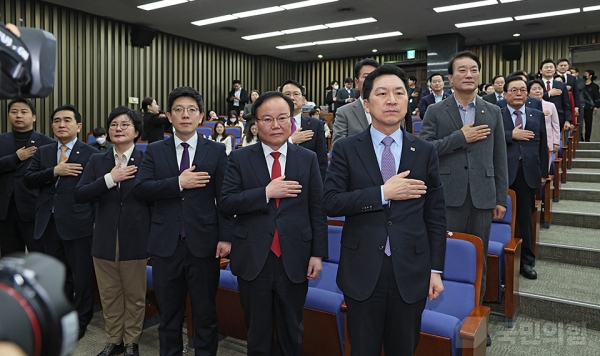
column 562, row 69
column 315, row 114
column 438, row 94
column 536, row 90
column 155, row 121
column 273, row 272
column 331, row 95
column 498, row 85
column 183, row 178
column 212, row 116
column 17, row 203
column 386, row 280
column 219, row 135
column 100, row 144
column 413, row 95
column 527, row 154
column 591, row 99
column 65, row 228
column 252, row 136
column 556, row 92
column 305, row 131
column 353, row 118
column 232, row 120
column 488, row 89
column 346, row 95
column 247, row 116
column 121, row 229
column 530, row 102
column 560, row 78
column 237, row 97
column 580, row 88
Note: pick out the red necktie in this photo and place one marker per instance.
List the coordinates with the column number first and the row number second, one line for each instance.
column 276, row 173
column 547, row 85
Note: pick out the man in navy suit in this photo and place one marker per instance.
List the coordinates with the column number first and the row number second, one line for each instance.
column 63, row 226
column 527, row 155
column 347, row 94
column 438, row 94
column 556, row 92
column 17, row 203
column 387, row 184
column 530, row 102
column 562, row 69
column 497, row 95
column 280, row 230
column 306, row 131
column 183, row 176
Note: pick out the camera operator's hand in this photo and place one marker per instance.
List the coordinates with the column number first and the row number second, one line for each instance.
column 14, row 29
column 64, row 169
column 25, row 153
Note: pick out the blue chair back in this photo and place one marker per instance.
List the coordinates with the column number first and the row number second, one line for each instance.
column 209, row 123
column 204, row 130
column 149, row 280
column 90, row 137
column 235, row 131
column 508, row 215
column 141, row 146
column 334, row 234
column 416, row 126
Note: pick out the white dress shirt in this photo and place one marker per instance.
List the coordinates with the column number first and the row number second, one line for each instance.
column 270, row 159
column 193, row 143
column 121, row 161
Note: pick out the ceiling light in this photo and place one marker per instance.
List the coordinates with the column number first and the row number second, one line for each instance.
column 374, row 50
column 161, row 4
column 507, row 1
column 379, row 35
column 465, row 6
column 548, row 14
column 591, row 8
column 516, row 34
column 263, row 35
column 266, row 10
column 298, row 5
column 296, row 45
column 484, row 22
column 350, row 23
column 214, row 20
column 304, row 29
column 337, row 40
column 320, row 56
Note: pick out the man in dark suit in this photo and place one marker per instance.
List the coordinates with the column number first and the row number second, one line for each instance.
column 556, row 92
column 280, row 229
column 530, row 102
column 438, row 94
column 498, row 94
column 183, row 176
column 17, row 203
column 387, row 184
column 237, row 98
column 63, row 226
column 527, row 154
column 347, row 94
column 562, row 69
column 352, row 119
column 305, row 130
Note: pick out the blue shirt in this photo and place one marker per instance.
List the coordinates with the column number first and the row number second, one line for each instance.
column 395, row 147
column 467, row 114
column 69, row 149
column 438, row 98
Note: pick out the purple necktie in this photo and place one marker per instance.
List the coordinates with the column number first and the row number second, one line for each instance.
column 185, row 164
column 519, row 119
column 293, row 125
column 388, row 170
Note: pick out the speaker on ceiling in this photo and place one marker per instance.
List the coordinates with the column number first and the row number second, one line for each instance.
column 141, row 36
column 511, row 51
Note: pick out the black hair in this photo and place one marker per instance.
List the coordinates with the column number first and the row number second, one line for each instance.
column 521, row 73
column 463, row 54
column 185, row 91
column 535, row 81
column 249, row 136
column 99, row 131
column 270, row 95
column 134, row 116
column 236, row 81
column 333, row 82
column 547, row 60
column 496, row 77
column 294, row 83
column 146, row 102
column 68, row 107
column 348, row 80
column 433, row 75
column 513, row 79
column 365, row 62
column 312, row 112
column 592, row 74
column 214, row 134
column 383, row 70
column 560, row 60
column 413, row 78
column 574, row 68
column 24, row 101
column 558, row 76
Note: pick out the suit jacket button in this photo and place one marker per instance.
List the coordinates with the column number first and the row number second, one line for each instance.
column 389, row 223
column 466, row 167
column 381, row 248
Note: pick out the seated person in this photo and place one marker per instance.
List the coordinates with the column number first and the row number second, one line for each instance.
column 219, row 135
column 252, row 136
column 100, row 136
column 232, row 120
column 316, row 113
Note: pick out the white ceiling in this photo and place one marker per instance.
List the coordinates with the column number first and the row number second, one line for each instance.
column 415, row 19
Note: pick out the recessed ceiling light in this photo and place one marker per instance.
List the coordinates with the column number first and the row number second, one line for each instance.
column 373, row 50
column 296, row 45
column 300, row 4
column 507, row 1
column 214, row 20
column 305, row 29
column 337, row 40
column 263, row 35
column 484, row 22
column 351, row 22
column 516, row 34
column 378, row 35
column 320, row 56
column 548, row 14
column 591, row 8
column 468, row 5
column 160, row 4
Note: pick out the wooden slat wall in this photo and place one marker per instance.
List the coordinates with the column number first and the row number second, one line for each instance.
column 97, row 68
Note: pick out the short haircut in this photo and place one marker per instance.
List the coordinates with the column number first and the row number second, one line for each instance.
column 365, row 62
column 560, row 60
column 270, row 95
column 99, row 131
column 559, row 77
column 294, row 83
column 147, row 102
column 24, row 101
column 513, row 79
column 535, row 81
column 386, row 69
column 547, row 60
column 312, row 112
column 333, row 82
column 592, row 74
column 185, row 91
column 463, row 54
column 67, row 107
column 236, row 81
column 574, row 68
column 348, row 80
column 496, row 77
column 133, row 116
column 433, row 75
column 519, row 73
column 413, row 78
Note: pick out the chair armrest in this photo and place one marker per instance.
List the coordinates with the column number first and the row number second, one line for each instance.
column 343, row 307
column 511, row 246
column 475, row 325
column 224, row 262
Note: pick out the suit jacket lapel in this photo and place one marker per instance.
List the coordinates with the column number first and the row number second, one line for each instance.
column 127, row 186
column 453, row 112
column 409, row 152
column 361, row 117
column 201, row 152
column 291, row 168
column 259, row 165
column 76, row 153
column 366, row 153
column 480, row 110
column 171, row 155
column 507, row 119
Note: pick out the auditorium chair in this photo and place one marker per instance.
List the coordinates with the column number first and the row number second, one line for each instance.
column 141, row 146
column 545, row 195
column 236, row 132
column 89, row 138
column 563, row 153
column 416, row 127
column 205, row 130
column 503, row 262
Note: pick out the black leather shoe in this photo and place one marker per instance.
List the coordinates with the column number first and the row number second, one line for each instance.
column 112, row 349
column 528, row 272
column 488, row 343
column 82, row 331
column 131, row 350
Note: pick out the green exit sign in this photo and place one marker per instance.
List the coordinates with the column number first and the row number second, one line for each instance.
column 411, row 54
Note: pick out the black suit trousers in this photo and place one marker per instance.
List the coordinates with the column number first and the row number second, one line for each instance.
column 77, row 257
column 16, row 233
column 525, row 206
column 269, row 295
column 384, row 319
column 172, row 277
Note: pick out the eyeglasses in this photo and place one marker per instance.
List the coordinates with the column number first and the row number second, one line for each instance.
column 179, row 110
column 269, row 120
column 123, row 126
column 294, row 94
column 515, row 91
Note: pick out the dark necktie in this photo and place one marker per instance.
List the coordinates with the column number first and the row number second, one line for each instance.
column 293, row 125
column 519, row 121
column 388, row 170
column 499, row 96
column 547, row 85
column 185, row 164
column 276, row 173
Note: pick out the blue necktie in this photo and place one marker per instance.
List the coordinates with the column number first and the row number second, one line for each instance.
column 388, row 170
column 185, row 164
